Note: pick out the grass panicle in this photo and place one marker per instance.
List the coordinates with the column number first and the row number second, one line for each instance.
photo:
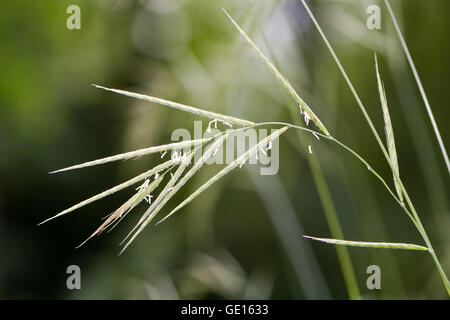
column 177, row 179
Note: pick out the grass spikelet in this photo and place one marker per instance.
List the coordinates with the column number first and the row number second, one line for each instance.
column 363, row 244
column 304, row 108
column 119, row 187
column 182, row 107
column 389, row 131
column 143, row 191
column 169, row 186
column 137, row 154
column 173, row 188
column 237, row 162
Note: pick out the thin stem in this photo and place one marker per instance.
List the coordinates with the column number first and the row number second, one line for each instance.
column 335, row 228
column 347, row 79
column 353, row 152
column 426, row 239
column 419, row 84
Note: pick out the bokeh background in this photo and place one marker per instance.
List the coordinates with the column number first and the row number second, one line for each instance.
column 241, row 238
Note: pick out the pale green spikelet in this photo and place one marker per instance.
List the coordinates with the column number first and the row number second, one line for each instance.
column 304, row 108
column 137, row 153
column 237, row 162
column 363, row 244
column 119, row 187
column 182, row 107
column 143, row 191
column 173, row 187
column 389, row 131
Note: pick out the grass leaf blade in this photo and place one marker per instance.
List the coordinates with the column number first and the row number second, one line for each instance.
column 420, row 86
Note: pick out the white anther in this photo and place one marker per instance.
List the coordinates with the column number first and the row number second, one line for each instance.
column 209, row 125
column 148, row 198
column 307, row 118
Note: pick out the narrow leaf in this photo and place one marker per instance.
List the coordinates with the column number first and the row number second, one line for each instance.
column 182, row 107
column 382, row 245
column 302, row 104
column 389, row 131
column 420, row 86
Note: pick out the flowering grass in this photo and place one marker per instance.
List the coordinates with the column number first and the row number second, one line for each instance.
column 175, row 173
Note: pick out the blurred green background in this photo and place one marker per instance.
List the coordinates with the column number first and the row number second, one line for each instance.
column 241, row 238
